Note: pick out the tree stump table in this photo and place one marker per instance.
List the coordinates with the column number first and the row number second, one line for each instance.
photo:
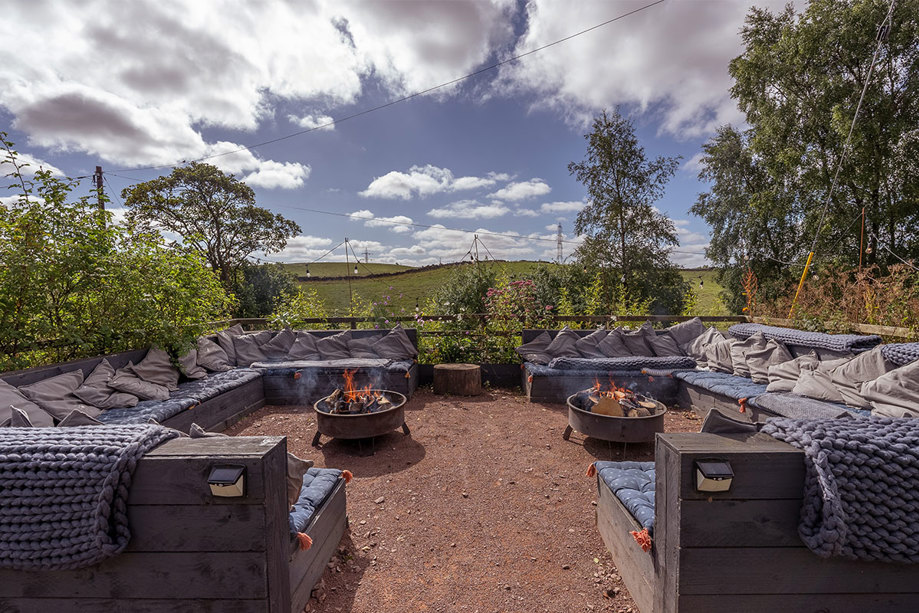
column 458, row 379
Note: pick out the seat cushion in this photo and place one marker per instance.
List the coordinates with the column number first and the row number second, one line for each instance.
column 633, row 484
column 721, row 383
column 318, row 483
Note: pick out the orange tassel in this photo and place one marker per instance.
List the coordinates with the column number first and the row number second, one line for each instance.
column 408, row 375
column 743, row 405
column 297, row 375
column 650, row 378
column 347, row 476
column 642, row 538
column 591, row 470
column 305, row 541
column 530, row 379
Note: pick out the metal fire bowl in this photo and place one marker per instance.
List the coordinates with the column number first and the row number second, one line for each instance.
column 615, row 429
column 361, row 425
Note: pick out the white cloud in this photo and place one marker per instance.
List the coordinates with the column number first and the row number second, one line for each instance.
column 522, row 212
column 310, row 122
column 571, row 206
column 422, row 181
column 303, row 248
column 399, row 224
column 673, row 54
column 472, row 183
column 522, row 190
column 28, row 166
column 256, row 172
column 452, row 245
column 470, row 209
column 694, row 164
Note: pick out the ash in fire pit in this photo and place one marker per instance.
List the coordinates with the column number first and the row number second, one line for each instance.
column 615, row 402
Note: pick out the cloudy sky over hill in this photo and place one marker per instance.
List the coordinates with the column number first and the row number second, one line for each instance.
column 135, row 85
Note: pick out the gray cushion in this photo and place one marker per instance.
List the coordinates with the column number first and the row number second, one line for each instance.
column 896, row 393
column 335, row 347
column 212, row 356
column 249, row 347
column 664, row 344
column 564, row 345
column 589, row 346
column 125, row 380
column 535, row 350
column 612, row 346
column 304, row 347
column 636, row 341
column 759, row 360
column 718, row 356
column 11, row 397
column 55, row 395
column 79, row 418
column 279, row 346
column 225, row 340
column 188, row 365
column 696, row 348
column 818, row 385
column 156, row 367
column 739, row 353
column 363, row 347
column 95, row 389
column 20, row 419
column 849, row 376
column 685, row 332
column 396, row 345
column 782, row 377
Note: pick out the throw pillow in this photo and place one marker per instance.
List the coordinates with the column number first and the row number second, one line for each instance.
column 55, row 394
column 188, row 365
column 78, row 418
column 636, row 341
column 896, row 393
column 612, row 346
column 225, row 340
column 95, row 389
column 396, row 345
column 564, row 345
column 19, row 419
column 124, row 380
column 589, row 346
column 212, row 356
column 535, row 350
column 684, row 333
column 664, row 344
column 363, row 347
column 818, row 385
column 696, row 349
column 739, row 353
column 718, row 356
column 156, row 367
column 304, row 348
column 852, row 374
column 782, row 377
column 334, row 347
column 248, row 348
column 759, row 360
column 277, row 348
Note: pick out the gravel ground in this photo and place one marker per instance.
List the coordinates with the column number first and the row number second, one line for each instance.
column 483, row 508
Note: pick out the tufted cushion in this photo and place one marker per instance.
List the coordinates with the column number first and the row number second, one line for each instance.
column 318, row 483
column 633, row 484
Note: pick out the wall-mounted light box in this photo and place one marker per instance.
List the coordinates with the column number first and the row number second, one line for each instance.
column 227, row 481
column 713, row 475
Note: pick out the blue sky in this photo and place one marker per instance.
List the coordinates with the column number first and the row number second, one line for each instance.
column 139, row 84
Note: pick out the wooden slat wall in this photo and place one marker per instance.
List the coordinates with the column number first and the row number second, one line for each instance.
column 190, row 551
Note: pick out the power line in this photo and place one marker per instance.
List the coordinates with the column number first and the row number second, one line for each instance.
column 890, row 251
column 406, row 97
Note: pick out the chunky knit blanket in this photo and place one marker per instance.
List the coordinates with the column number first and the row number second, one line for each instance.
column 65, row 492
column 901, row 354
column 861, row 489
column 803, row 338
column 623, row 363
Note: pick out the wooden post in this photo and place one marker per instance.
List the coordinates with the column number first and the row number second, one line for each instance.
column 458, row 379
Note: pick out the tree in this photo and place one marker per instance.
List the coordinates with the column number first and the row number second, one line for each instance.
column 214, row 214
column 260, row 288
column 798, row 82
column 625, row 236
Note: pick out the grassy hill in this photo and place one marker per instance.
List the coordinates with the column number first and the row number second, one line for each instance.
column 413, row 286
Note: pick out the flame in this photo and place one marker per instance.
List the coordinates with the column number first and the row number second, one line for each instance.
column 614, row 390
column 352, row 393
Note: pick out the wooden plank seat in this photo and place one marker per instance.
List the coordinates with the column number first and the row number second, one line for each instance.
column 191, row 551
column 739, row 550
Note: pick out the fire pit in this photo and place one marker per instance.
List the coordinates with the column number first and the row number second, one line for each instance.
column 616, row 414
column 359, row 413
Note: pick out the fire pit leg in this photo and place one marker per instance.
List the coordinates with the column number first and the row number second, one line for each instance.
column 405, row 429
column 316, row 438
column 568, row 430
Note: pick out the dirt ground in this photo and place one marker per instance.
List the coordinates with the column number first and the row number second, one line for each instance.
column 483, row 508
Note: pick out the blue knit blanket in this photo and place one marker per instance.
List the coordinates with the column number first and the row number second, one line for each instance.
column 803, row 338
column 624, row 363
column 65, row 493
column 901, row 354
column 861, row 486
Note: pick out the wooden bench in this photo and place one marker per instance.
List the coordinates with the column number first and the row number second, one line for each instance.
column 739, row 550
column 191, row 551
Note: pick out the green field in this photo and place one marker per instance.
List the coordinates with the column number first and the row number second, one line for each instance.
column 341, row 269
column 415, row 285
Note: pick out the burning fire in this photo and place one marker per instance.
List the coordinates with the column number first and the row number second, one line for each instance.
column 352, row 394
column 614, row 390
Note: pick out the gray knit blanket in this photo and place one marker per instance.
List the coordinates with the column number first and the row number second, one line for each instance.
column 901, row 354
column 861, row 487
column 817, row 340
column 623, row 363
column 64, row 492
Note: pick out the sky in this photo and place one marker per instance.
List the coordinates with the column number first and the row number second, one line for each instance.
column 140, row 87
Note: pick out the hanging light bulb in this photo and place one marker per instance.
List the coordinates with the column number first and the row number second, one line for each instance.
column 355, row 269
column 308, row 272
